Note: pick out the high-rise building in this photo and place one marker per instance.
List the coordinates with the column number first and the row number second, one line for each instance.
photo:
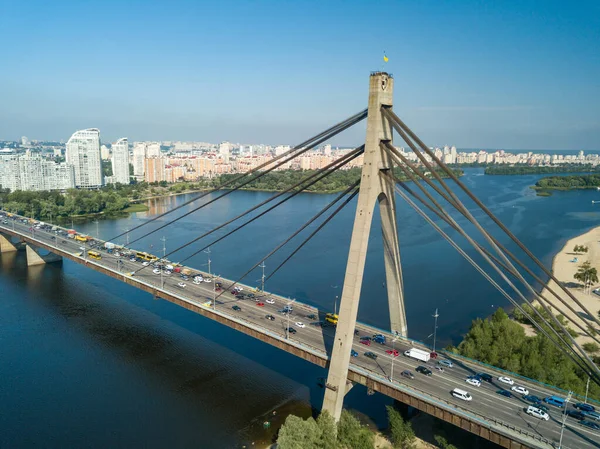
column 120, row 161
column 153, row 149
column 83, row 152
column 24, row 141
column 139, row 155
column 32, row 172
column 155, row 169
column 104, row 153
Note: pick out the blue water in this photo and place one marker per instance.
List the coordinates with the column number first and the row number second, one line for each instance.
column 89, row 362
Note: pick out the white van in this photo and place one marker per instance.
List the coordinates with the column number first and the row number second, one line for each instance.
column 461, row 394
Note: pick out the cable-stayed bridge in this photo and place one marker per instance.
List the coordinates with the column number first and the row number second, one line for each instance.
column 342, row 348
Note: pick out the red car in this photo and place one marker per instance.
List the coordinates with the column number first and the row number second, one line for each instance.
column 366, row 342
column 233, row 292
column 260, row 304
column 433, row 355
column 395, row 352
column 218, row 289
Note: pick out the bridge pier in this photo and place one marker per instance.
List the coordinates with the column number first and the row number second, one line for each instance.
column 375, row 189
column 34, row 258
column 6, row 246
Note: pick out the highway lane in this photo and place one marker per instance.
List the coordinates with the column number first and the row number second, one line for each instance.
column 486, row 401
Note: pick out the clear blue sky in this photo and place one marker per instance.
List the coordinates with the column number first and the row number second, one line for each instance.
column 477, row 74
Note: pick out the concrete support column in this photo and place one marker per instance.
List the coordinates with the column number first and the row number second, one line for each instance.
column 6, row 245
column 33, row 258
column 374, row 189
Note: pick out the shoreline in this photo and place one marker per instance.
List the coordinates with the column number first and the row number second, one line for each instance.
column 565, row 264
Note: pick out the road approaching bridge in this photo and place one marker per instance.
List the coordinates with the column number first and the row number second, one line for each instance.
column 493, row 416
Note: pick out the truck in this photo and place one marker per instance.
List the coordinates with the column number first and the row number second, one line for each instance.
column 418, row 354
column 186, row 271
column 81, row 238
column 109, row 245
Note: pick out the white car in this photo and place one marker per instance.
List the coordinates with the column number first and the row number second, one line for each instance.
column 209, row 280
column 300, row 324
column 538, row 413
column 473, row 381
column 166, row 272
column 197, row 282
column 156, row 271
column 270, row 301
column 521, row 390
column 506, row 380
column 145, row 263
column 181, row 284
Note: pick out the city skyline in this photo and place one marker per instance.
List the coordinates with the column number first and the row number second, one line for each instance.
column 483, row 76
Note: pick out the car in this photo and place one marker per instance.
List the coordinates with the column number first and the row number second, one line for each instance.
column 167, row 272
column 156, row 271
column 312, row 316
column 260, row 304
column 233, row 292
column 366, row 342
column 181, row 284
column 393, row 352
column 241, row 297
column 593, row 415
column 433, row 355
column 591, row 425
column 426, row 371
column 521, row 390
column 145, row 263
column 300, row 324
column 538, row 413
column 439, row 368
column 406, row 373
column 353, row 353
column 506, row 393
column 473, row 381
column 291, row 330
column 366, row 338
column 185, row 278
column 532, row 399
column 575, row 414
column 371, row 355
column 584, row 407
column 207, row 280
column 446, row 363
column 270, row 317
column 268, row 301
column 237, row 308
column 506, row 380
column 218, row 289
column 485, row 376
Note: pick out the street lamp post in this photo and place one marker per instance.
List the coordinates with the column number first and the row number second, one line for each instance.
column 435, row 328
column 208, row 252
column 393, row 357
column 587, row 386
column 215, row 292
column 97, row 231
column 562, row 428
column 162, row 280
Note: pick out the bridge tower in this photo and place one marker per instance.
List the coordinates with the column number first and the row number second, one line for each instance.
column 374, row 189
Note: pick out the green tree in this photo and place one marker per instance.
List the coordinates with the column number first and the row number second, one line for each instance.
column 296, row 433
column 352, row 435
column 328, row 429
column 443, row 442
column 403, row 436
column 590, row 347
column 586, row 274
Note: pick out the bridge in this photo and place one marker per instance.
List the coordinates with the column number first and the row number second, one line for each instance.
column 497, row 418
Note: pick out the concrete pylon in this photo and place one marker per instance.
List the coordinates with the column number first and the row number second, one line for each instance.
column 374, row 189
column 6, row 246
column 33, row 258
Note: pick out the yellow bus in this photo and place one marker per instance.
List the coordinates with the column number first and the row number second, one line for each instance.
column 146, row 256
column 82, row 238
column 94, row 255
column 331, row 318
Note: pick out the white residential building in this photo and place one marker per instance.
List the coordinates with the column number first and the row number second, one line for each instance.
column 32, row 172
column 153, row 149
column 83, row 152
column 139, row 155
column 120, row 161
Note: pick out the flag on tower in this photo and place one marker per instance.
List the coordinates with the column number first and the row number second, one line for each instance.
column 385, row 58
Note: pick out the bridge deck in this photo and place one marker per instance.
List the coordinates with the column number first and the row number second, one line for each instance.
column 489, row 415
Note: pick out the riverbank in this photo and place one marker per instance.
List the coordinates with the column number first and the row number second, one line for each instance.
column 564, row 266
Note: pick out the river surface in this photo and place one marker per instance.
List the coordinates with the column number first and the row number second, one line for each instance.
column 87, row 361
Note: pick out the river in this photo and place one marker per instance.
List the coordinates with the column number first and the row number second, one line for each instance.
column 87, row 361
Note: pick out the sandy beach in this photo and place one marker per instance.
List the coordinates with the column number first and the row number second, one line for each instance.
column 564, row 267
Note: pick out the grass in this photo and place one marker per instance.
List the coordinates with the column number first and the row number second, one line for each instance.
column 543, row 193
column 136, row 207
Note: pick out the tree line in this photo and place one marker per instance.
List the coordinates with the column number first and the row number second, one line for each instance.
column 524, row 169
column 568, row 182
column 502, row 342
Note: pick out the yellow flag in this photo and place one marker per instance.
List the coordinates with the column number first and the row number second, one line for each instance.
column 385, row 58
